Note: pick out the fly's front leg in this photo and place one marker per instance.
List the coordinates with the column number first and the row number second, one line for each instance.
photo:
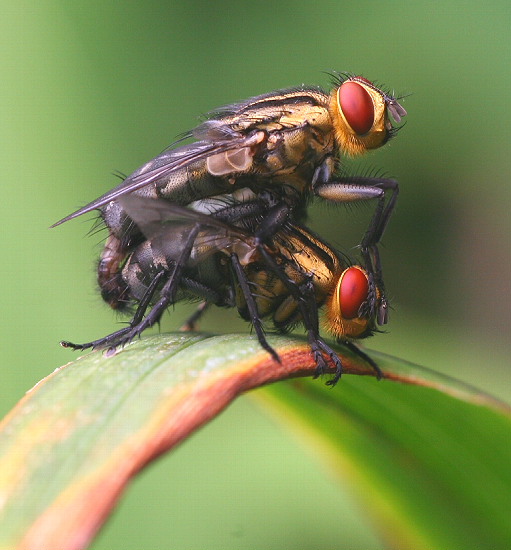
column 309, row 311
column 362, row 189
column 357, row 351
column 356, row 189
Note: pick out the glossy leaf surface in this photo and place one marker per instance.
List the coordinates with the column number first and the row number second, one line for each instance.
column 71, row 445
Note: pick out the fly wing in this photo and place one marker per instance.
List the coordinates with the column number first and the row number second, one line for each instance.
column 151, row 214
column 226, row 141
column 165, row 221
column 230, row 145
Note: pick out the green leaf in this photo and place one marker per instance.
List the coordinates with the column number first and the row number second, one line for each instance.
column 431, row 471
column 430, row 464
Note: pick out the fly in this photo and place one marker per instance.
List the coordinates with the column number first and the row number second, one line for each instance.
column 289, row 143
column 283, row 272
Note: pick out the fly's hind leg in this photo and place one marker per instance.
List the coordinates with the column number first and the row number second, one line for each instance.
column 139, row 323
column 114, row 339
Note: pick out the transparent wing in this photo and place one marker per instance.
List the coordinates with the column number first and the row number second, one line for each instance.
column 175, row 159
column 166, row 224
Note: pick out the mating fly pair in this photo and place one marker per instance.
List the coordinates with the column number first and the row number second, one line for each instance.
column 282, row 148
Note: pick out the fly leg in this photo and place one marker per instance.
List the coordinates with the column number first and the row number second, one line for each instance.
column 357, row 351
column 309, row 311
column 305, row 299
column 273, row 220
column 191, row 323
column 360, row 189
column 209, row 295
column 252, row 306
column 372, row 264
column 167, row 293
column 139, row 323
column 111, row 339
column 303, row 294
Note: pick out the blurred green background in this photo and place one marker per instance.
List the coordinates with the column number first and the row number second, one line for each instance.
column 92, row 87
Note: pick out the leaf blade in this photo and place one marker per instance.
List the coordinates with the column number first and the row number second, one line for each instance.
column 432, row 471
column 80, row 435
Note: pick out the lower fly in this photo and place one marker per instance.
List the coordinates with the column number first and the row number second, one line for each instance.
column 271, row 269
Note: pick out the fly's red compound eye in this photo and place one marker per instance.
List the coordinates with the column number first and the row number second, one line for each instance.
column 353, row 292
column 357, row 106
